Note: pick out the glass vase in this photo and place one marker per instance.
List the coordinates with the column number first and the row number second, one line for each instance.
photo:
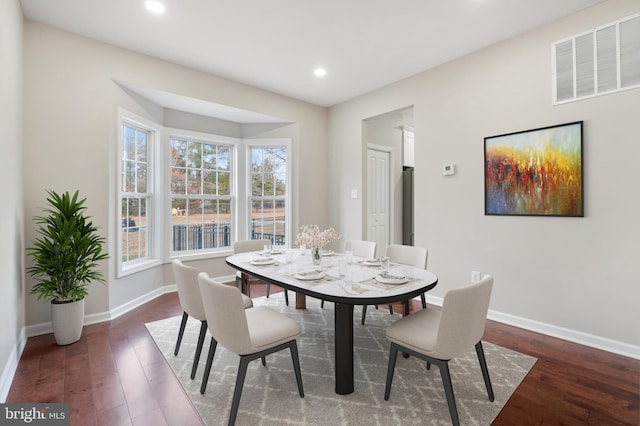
column 316, row 255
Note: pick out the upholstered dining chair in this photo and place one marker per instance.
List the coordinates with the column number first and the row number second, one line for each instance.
column 244, row 246
column 360, row 248
column 191, row 302
column 252, row 333
column 437, row 336
column 406, row 255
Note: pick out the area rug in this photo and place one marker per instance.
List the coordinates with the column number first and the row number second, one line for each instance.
column 270, row 395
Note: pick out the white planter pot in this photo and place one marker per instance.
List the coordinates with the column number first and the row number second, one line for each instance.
column 67, row 319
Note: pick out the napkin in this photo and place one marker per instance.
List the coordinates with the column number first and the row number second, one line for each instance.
column 391, row 276
column 309, row 272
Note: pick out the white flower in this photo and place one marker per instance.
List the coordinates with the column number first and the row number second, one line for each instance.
column 311, row 236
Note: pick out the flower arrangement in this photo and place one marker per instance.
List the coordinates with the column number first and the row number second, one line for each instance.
column 311, row 236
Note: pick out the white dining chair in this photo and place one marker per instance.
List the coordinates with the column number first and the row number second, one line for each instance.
column 191, row 302
column 251, row 333
column 438, row 336
column 245, row 246
column 405, row 255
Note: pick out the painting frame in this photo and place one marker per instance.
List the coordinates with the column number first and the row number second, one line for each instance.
column 537, row 172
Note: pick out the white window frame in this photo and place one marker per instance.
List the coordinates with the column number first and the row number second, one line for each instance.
column 234, row 144
column 268, row 143
column 154, row 223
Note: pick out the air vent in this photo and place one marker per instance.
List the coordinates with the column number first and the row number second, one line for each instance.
column 597, row 62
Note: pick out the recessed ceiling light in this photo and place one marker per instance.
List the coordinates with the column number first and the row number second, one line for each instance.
column 154, row 6
column 320, row 72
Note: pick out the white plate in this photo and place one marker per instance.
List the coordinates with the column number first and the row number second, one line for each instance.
column 306, row 276
column 262, row 262
column 277, row 251
column 388, row 280
column 328, row 253
column 372, row 262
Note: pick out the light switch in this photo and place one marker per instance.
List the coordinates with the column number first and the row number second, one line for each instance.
column 354, row 193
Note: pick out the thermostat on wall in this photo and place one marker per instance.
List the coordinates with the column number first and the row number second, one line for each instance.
column 448, row 170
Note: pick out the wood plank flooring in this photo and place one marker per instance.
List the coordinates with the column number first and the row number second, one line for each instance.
column 115, row 375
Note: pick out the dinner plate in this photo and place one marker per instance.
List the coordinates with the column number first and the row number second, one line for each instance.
column 277, row 251
column 391, row 279
column 372, row 262
column 328, row 252
column 262, row 262
column 309, row 275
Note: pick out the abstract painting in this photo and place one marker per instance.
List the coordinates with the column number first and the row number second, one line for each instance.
column 535, row 172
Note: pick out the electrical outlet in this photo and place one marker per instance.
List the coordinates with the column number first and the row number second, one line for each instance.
column 475, row 276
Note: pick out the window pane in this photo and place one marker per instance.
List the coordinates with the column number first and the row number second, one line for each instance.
column 194, row 182
column 224, row 183
column 281, row 184
column 130, row 176
column 194, row 158
column 141, row 146
column 256, row 185
column 178, row 181
column 208, row 157
column 129, row 149
column 209, row 182
column 224, row 158
column 178, row 153
column 141, row 177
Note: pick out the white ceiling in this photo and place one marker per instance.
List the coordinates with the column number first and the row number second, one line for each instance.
column 276, row 44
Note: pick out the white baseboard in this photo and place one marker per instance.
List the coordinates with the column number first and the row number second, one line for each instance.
column 591, row 340
column 9, row 370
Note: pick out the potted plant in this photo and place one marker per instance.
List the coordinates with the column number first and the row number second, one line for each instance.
column 65, row 261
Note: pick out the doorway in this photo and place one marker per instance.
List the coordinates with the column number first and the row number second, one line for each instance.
column 388, row 148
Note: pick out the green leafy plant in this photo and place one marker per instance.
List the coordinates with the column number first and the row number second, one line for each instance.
column 67, row 253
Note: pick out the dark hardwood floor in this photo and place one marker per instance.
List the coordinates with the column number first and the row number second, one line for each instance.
column 115, row 375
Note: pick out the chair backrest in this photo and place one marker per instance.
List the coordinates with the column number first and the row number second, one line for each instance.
column 188, row 289
column 463, row 317
column 361, row 248
column 408, row 255
column 244, row 246
column 226, row 319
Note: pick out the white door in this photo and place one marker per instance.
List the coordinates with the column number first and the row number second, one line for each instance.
column 378, row 217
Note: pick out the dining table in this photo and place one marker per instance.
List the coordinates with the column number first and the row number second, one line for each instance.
column 346, row 281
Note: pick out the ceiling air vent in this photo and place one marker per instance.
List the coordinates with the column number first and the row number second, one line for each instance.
column 597, row 62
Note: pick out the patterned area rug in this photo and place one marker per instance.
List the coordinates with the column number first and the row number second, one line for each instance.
column 270, row 395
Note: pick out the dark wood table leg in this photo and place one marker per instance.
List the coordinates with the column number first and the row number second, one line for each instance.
column 344, row 348
column 405, row 312
column 301, row 301
column 244, row 284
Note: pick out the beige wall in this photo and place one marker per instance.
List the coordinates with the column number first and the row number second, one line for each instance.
column 574, row 277
column 11, row 213
column 71, row 104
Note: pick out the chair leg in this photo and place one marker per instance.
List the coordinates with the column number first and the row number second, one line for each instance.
column 393, row 355
column 364, row 313
column 428, row 365
column 390, row 309
column 207, row 367
column 448, row 391
column 185, row 317
column 196, row 358
column 286, row 297
column 264, row 361
column 268, row 289
column 322, row 303
column 296, row 367
column 424, row 301
column 237, row 280
column 237, row 393
column 485, row 370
